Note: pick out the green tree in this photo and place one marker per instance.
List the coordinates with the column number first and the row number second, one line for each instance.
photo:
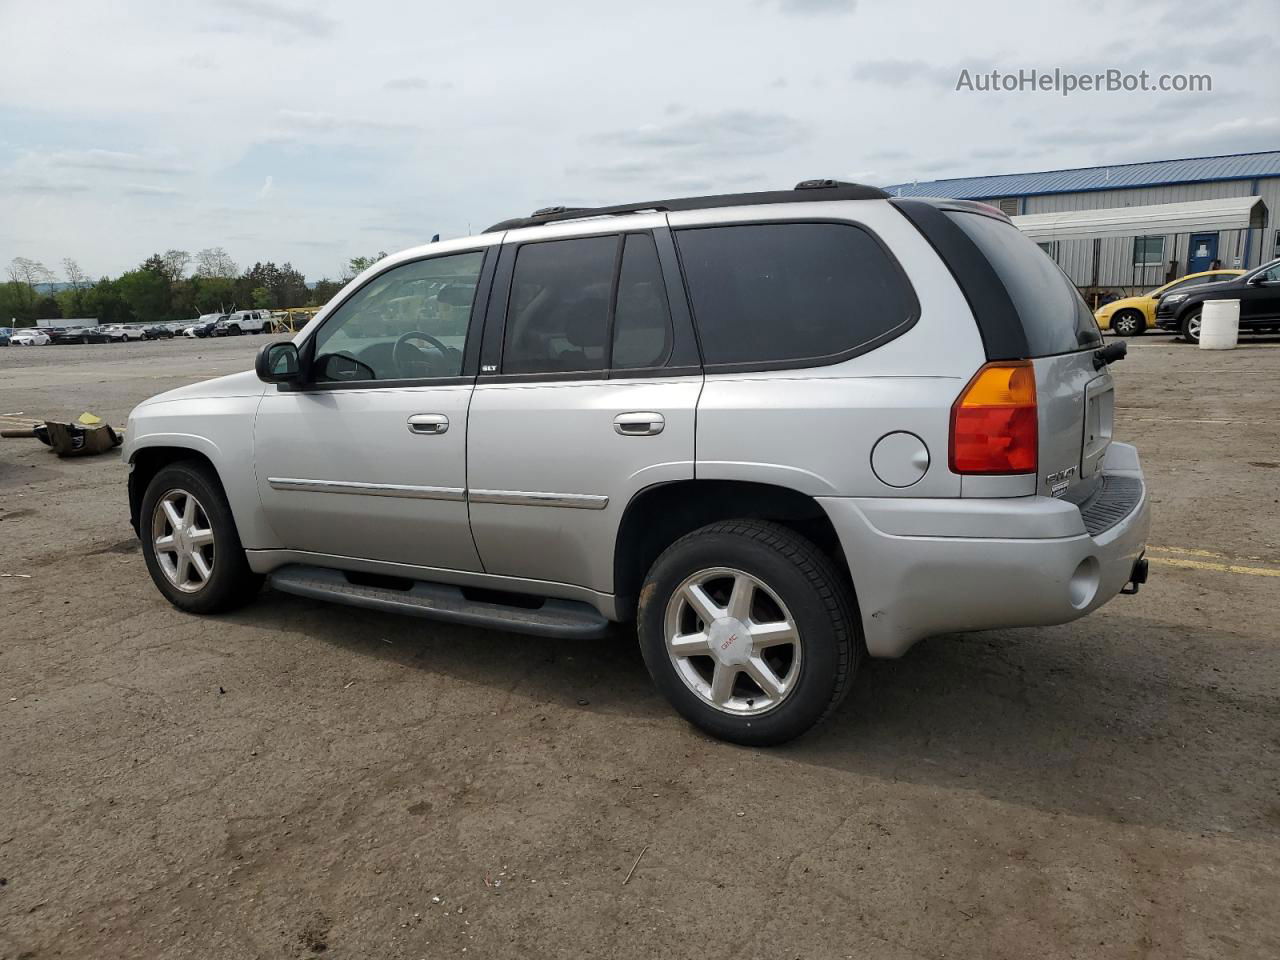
column 323, row 292
column 47, row 308
column 72, row 299
column 24, row 275
column 103, row 301
column 262, row 298
column 215, row 262
column 146, row 291
column 182, row 299
column 214, row 293
column 357, row 265
column 16, row 307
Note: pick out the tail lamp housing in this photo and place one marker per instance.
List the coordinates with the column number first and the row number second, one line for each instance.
column 994, row 427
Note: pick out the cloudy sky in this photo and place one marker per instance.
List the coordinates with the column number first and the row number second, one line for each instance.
column 314, row 131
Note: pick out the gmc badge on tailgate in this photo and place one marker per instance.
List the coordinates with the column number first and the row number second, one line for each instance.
column 1058, row 482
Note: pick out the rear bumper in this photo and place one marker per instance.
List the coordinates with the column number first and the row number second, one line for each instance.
column 929, row 566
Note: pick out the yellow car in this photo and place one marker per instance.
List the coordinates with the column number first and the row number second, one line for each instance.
column 1132, row 315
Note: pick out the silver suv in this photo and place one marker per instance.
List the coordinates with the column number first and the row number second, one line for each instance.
column 778, row 431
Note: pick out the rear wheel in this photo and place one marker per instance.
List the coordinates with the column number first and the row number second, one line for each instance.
column 190, row 542
column 1129, row 323
column 749, row 631
column 1191, row 327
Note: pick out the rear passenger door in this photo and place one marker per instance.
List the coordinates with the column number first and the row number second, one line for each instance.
column 587, row 394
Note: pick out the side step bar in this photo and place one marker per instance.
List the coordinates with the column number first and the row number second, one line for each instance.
column 438, row 601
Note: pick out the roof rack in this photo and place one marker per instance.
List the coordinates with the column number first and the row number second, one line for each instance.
column 804, row 191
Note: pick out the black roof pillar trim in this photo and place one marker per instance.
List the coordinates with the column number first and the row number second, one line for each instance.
column 993, row 309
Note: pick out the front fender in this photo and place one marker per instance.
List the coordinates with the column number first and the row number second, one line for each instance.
column 220, row 430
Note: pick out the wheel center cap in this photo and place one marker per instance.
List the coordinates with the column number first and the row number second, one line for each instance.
column 730, row 641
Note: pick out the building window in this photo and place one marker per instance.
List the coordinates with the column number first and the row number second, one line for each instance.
column 1148, row 251
column 1275, row 252
column 1009, row 206
column 1050, row 247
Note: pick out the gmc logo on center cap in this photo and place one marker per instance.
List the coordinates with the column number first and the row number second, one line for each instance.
column 729, row 642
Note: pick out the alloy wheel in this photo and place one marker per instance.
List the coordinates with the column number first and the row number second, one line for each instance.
column 732, row 641
column 183, row 539
column 1126, row 326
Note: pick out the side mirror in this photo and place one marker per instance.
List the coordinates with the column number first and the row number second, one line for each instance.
column 278, row 363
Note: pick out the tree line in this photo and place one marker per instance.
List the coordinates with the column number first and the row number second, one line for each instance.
column 174, row 285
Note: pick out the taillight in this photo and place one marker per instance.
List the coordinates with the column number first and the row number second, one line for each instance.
column 993, row 421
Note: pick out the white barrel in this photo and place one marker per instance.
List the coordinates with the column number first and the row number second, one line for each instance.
column 1220, row 325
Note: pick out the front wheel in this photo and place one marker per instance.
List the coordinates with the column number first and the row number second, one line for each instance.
column 190, row 542
column 1191, row 328
column 1129, row 323
column 749, row 631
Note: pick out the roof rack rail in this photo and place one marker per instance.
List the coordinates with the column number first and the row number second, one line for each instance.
column 805, row 191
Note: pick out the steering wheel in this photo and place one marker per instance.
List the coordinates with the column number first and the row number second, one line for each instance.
column 403, row 362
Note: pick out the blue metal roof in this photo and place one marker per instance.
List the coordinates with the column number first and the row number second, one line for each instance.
column 1238, row 166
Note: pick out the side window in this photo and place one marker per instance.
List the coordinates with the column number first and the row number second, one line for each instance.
column 558, row 313
column 409, row 323
column 791, row 291
column 642, row 318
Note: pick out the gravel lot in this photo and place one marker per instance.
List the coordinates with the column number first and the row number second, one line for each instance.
column 299, row 779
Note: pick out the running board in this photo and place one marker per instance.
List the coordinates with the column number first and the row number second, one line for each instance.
column 569, row 619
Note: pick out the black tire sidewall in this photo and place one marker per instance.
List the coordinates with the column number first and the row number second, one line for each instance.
column 231, row 583
column 820, row 664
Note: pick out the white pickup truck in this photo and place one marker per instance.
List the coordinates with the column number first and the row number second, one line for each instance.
column 242, row 321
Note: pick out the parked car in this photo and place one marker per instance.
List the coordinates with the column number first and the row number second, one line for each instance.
column 204, row 325
column 242, row 321
column 904, row 419
column 81, row 335
column 122, row 332
column 1258, row 292
column 4, row 338
column 29, row 337
column 158, row 331
column 1132, row 316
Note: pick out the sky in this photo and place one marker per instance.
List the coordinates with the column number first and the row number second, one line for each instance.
column 313, row 132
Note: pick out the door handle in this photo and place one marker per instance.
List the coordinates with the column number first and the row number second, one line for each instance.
column 639, row 424
column 431, row 424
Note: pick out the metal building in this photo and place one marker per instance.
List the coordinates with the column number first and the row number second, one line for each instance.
column 1128, row 227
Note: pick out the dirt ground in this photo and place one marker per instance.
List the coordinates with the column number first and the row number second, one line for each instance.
column 302, row 780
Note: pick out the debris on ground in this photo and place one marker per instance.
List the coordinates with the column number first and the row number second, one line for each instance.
column 88, row 435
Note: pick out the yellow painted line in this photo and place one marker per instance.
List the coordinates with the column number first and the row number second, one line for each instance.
column 1215, row 422
column 1220, row 567
column 1192, row 552
column 1195, row 552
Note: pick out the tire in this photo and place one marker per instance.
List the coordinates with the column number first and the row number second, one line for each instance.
column 234, row 331
column 229, row 582
column 84, row 339
column 1191, row 327
column 1129, row 323
column 790, row 580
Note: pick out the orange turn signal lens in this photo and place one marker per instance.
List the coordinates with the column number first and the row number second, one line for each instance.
column 994, row 425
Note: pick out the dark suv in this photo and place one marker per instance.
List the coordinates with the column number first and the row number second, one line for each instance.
column 1258, row 292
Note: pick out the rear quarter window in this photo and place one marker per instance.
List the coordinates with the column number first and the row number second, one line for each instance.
column 1054, row 317
column 792, row 293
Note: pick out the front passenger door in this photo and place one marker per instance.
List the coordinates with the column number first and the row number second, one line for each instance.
column 368, row 459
